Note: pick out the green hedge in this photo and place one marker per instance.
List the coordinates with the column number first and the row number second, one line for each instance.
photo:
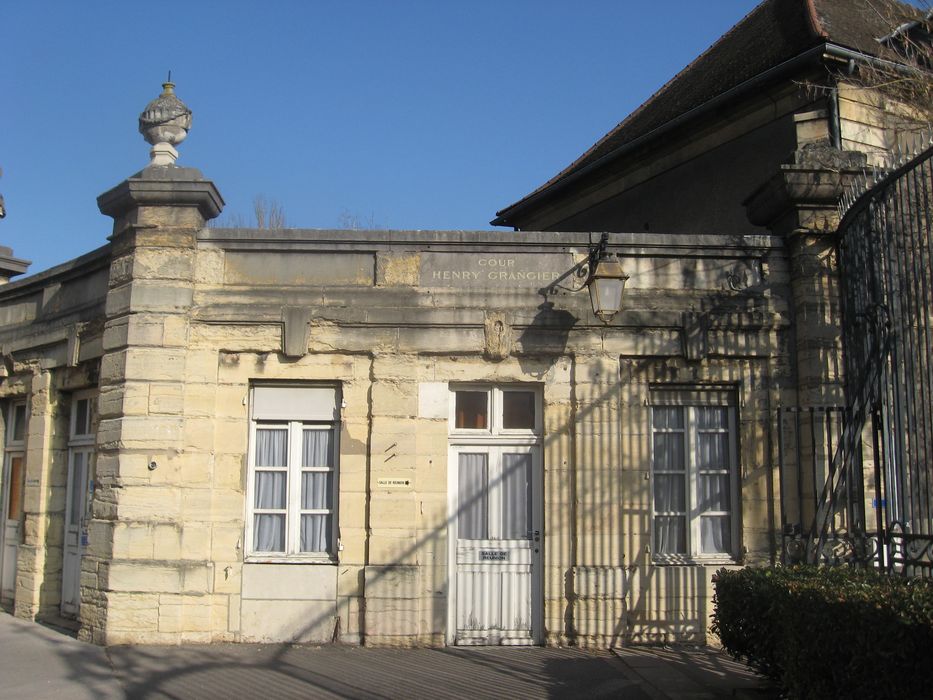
column 829, row 632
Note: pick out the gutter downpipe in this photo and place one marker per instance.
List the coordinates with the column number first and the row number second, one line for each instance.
column 818, row 52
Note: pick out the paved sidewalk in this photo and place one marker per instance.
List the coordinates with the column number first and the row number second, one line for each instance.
column 37, row 662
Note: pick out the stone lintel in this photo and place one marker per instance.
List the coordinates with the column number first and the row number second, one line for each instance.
column 163, row 186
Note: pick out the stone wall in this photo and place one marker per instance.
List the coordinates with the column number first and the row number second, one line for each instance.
column 194, row 317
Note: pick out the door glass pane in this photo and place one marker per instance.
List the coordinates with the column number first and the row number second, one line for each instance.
column 670, row 534
column 516, row 496
column 472, row 514
column 271, row 447
column 715, row 534
column 315, row 490
column 518, row 410
column 269, row 533
column 77, row 487
column 317, row 448
column 315, row 533
column 472, row 408
column 270, row 489
column 15, row 507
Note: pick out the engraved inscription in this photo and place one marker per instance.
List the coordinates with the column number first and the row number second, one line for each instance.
column 520, row 269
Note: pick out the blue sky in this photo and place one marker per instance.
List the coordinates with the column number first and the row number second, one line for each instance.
column 406, row 114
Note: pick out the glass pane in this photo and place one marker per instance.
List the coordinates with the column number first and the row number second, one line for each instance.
column 77, row 487
column 15, row 506
column 670, row 493
column 19, row 422
column 715, row 534
column 713, row 492
column 271, row 447
column 712, row 450
column 670, row 534
column 81, row 417
column 317, row 448
column 315, row 490
column 711, row 417
column 671, row 417
column 471, row 410
column 472, row 520
column 669, row 451
column 269, row 533
column 270, row 489
column 315, row 533
column 518, row 410
column 516, row 496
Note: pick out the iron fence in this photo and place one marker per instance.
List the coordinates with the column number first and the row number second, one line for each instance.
column 880, row 480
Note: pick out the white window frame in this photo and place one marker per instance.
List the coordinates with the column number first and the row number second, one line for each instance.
column 293, row 510
column 689, row 399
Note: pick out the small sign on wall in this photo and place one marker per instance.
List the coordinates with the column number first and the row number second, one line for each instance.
column 493, row 555
column 393, row 482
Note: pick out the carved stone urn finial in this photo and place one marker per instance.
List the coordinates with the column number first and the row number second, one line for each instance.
column 164, row 123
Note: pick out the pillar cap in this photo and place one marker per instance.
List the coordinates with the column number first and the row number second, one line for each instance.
column 163, row 186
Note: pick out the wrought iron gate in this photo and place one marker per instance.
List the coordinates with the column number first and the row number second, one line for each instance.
column 863, row 473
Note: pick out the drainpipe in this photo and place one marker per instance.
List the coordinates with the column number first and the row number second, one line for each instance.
column 835, row 126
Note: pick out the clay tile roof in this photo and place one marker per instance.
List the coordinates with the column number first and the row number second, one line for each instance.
column 775, row 31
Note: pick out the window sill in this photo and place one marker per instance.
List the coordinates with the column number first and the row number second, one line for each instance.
column 319, row 560
column 686, row 560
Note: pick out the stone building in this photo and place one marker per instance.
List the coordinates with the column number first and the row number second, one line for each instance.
column 429, row 437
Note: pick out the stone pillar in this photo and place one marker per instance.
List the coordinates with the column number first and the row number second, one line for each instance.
column 145, row 577
column 38, row 566
column 800, row 203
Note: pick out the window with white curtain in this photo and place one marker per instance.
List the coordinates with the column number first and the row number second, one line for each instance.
column 292, row 489
column 693, row 470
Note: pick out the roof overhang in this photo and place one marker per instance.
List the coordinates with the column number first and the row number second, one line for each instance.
column 818, row 54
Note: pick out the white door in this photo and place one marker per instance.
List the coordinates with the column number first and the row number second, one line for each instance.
column 12, row 504
column 75, row 529
column 496, row 525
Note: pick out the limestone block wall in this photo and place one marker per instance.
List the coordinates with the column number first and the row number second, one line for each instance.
column 196, row 317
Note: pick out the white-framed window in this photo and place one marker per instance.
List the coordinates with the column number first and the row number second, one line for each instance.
column 694, row 469
column 482, row 411
column 293, row 472
column 14, row 472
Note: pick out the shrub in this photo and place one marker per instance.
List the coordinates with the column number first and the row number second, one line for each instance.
column 823, row 633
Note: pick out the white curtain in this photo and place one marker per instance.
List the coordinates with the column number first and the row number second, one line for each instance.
column 315, row 532
column 670, row 489
column 715, row 534
column 271, row 447
column 516, row 496
column 317, row 448
column 472, row 515
column 316, row 490
column 271, row 490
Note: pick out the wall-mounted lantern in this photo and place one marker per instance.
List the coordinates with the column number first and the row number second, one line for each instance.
column 606, row 281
